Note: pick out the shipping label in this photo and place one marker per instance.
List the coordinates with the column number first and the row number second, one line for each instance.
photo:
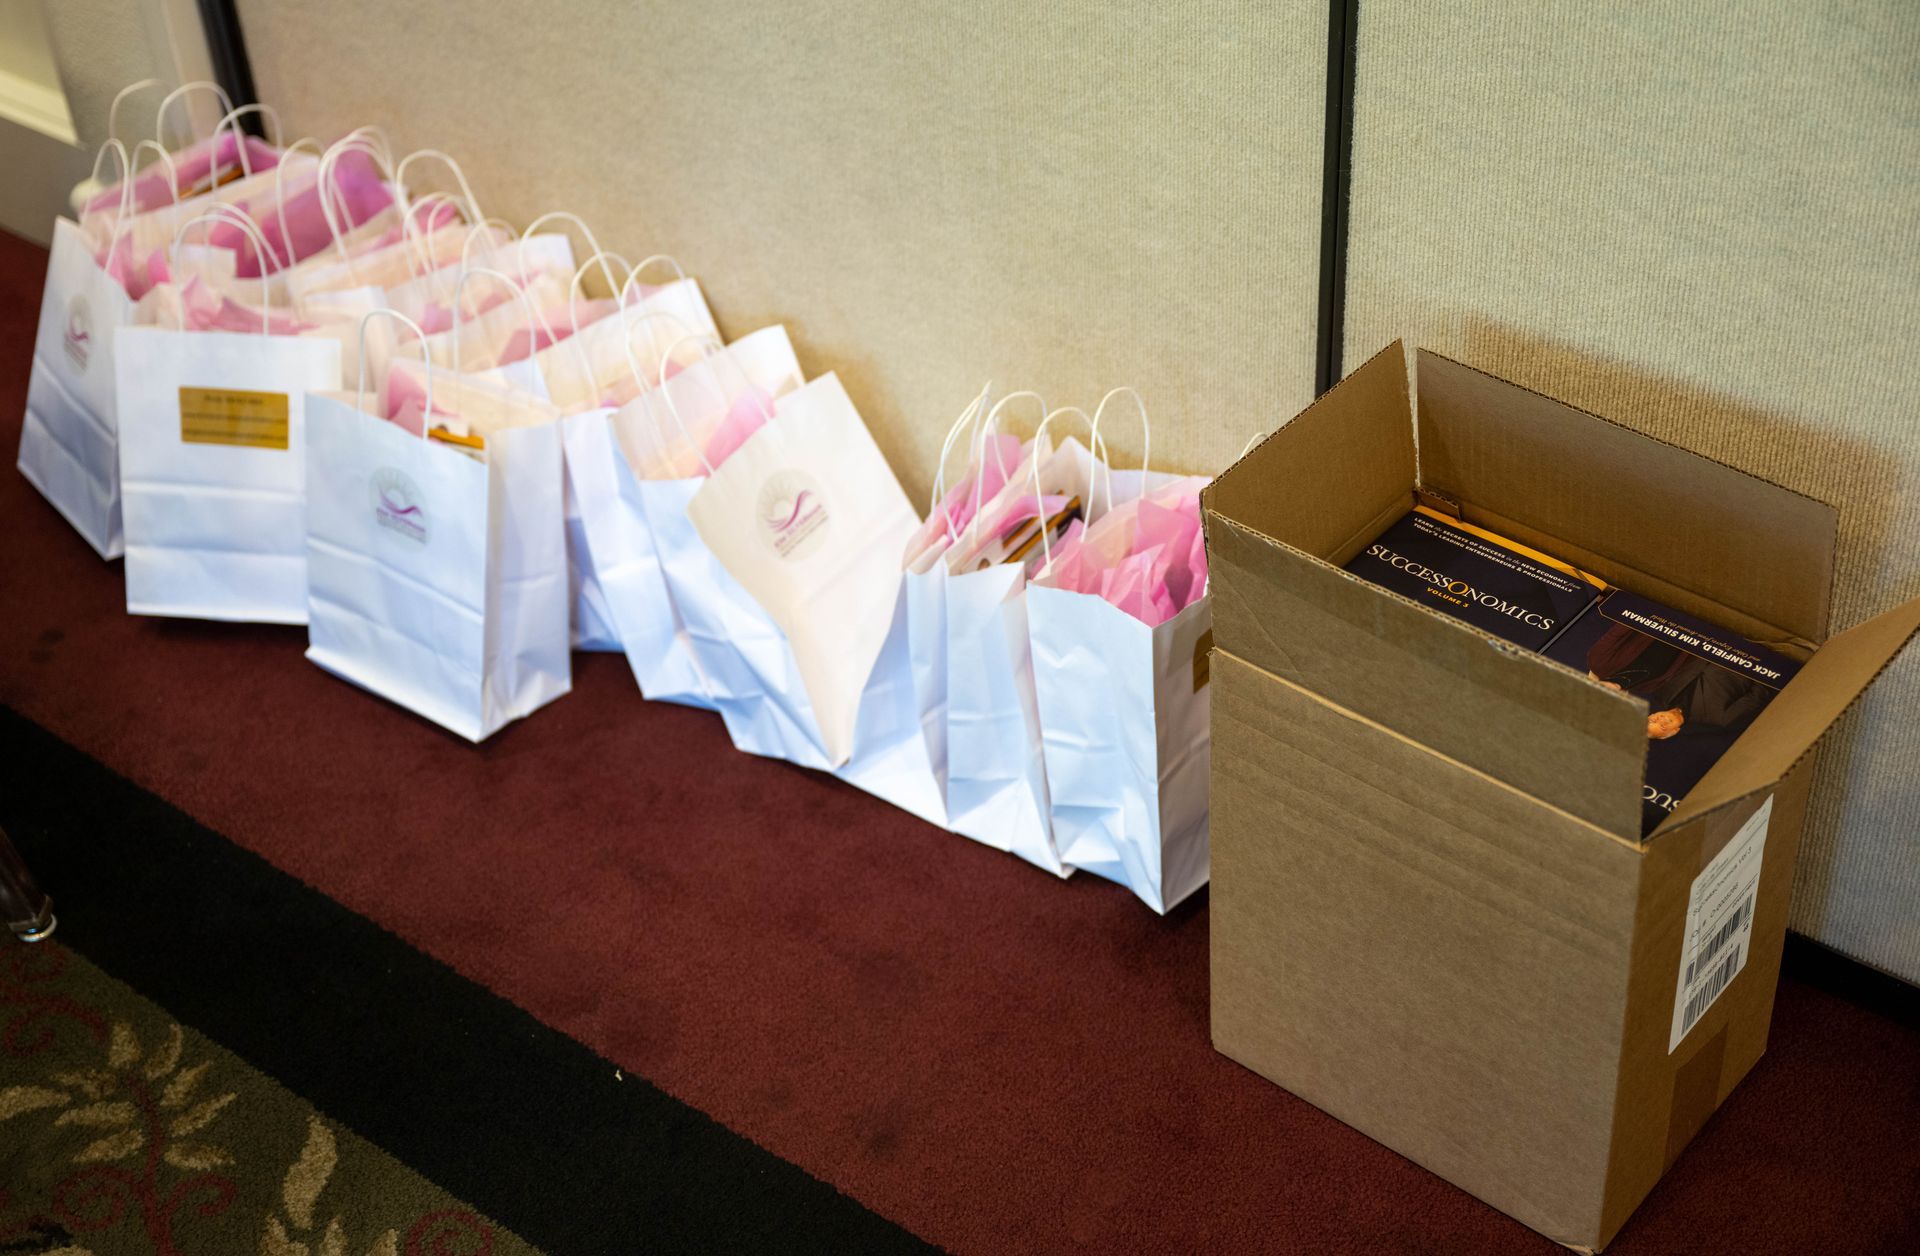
column 1719, row 924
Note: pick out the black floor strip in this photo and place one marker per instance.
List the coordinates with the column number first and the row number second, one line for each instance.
column 1824, row 968
column 470, row 1091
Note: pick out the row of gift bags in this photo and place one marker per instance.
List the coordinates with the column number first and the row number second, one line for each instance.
column 291, row 391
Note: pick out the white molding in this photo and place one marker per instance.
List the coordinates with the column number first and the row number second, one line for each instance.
column 37, row 106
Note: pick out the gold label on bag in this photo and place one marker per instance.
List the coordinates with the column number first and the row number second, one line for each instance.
column 233, row 416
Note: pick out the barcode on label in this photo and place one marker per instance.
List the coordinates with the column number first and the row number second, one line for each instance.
column 1721, row 937
column 1703, row 997
column 1719, row 927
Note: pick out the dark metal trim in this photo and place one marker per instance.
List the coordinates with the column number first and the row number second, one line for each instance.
column 227, row 49
column 1336, row 184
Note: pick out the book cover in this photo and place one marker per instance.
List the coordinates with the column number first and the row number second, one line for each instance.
column 1703, row 685
column 1498, row 585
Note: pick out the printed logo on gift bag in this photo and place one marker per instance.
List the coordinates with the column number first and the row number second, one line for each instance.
column 79, row 337
column 397, row 506
column 793, row 511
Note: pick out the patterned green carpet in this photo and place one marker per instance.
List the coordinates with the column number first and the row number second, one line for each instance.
column 125, row 1133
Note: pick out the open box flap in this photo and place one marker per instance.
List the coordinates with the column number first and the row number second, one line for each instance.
column 1433, row 679
column 1830, row 682
column 1696, row 524
column 1363, row 428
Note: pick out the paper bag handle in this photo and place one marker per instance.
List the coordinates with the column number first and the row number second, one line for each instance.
column 421, row 257
column 560, row 215
column 602, row 256
column 534, row 317
column 233, row 215
column 360, row 140
column 1146, row 436
column 166, row 158
column 1096, row 448
column 426, row 360
column 460, row 176
column 232, row 119
column 987, row 427
column 280, row 191
column 123, row 212
column 481, row 230
column 375, row 134
column 265, row 111
column 181, row 93
column 711, row 345
column 626, row 341
column 633, row 274
column 970, row 414
column 113, row 110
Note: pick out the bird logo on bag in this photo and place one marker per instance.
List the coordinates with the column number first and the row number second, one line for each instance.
column 397, row 504
column 794, row 513
column 79, row 337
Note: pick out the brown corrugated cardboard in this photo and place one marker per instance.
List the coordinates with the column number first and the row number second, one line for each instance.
column 1364, row 433
column 1684, row 520
column 1440, row 681
column 1432, row 911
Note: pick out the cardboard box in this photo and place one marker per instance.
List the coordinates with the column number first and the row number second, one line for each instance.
column 1433, row 912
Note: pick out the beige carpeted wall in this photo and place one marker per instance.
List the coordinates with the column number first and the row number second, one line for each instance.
column 1702, row 221
column 1064, row 197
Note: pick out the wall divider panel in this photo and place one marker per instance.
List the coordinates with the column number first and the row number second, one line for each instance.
column 1700, row 221
column 1064, row 197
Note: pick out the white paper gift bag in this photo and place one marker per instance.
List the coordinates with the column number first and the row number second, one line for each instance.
column 996, row 769
column 754, row 679
column 612, row 530
column 527, row 259
column 799, row 515
column 589, row 619
column 576, row 375
column 756, row 676
column 924, row 591
column 1124, row 693
column 899, row 733
column 1123, row 710
column 69, row 440
column 590, row 625
column 213, row 467
column 436, row 573
column 591, row 367
column 748, row 671
column 996, row 778
column 593, row 625
column 924, row 595
column 624, row 470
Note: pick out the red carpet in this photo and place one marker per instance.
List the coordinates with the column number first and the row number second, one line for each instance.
column 993, row 1059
